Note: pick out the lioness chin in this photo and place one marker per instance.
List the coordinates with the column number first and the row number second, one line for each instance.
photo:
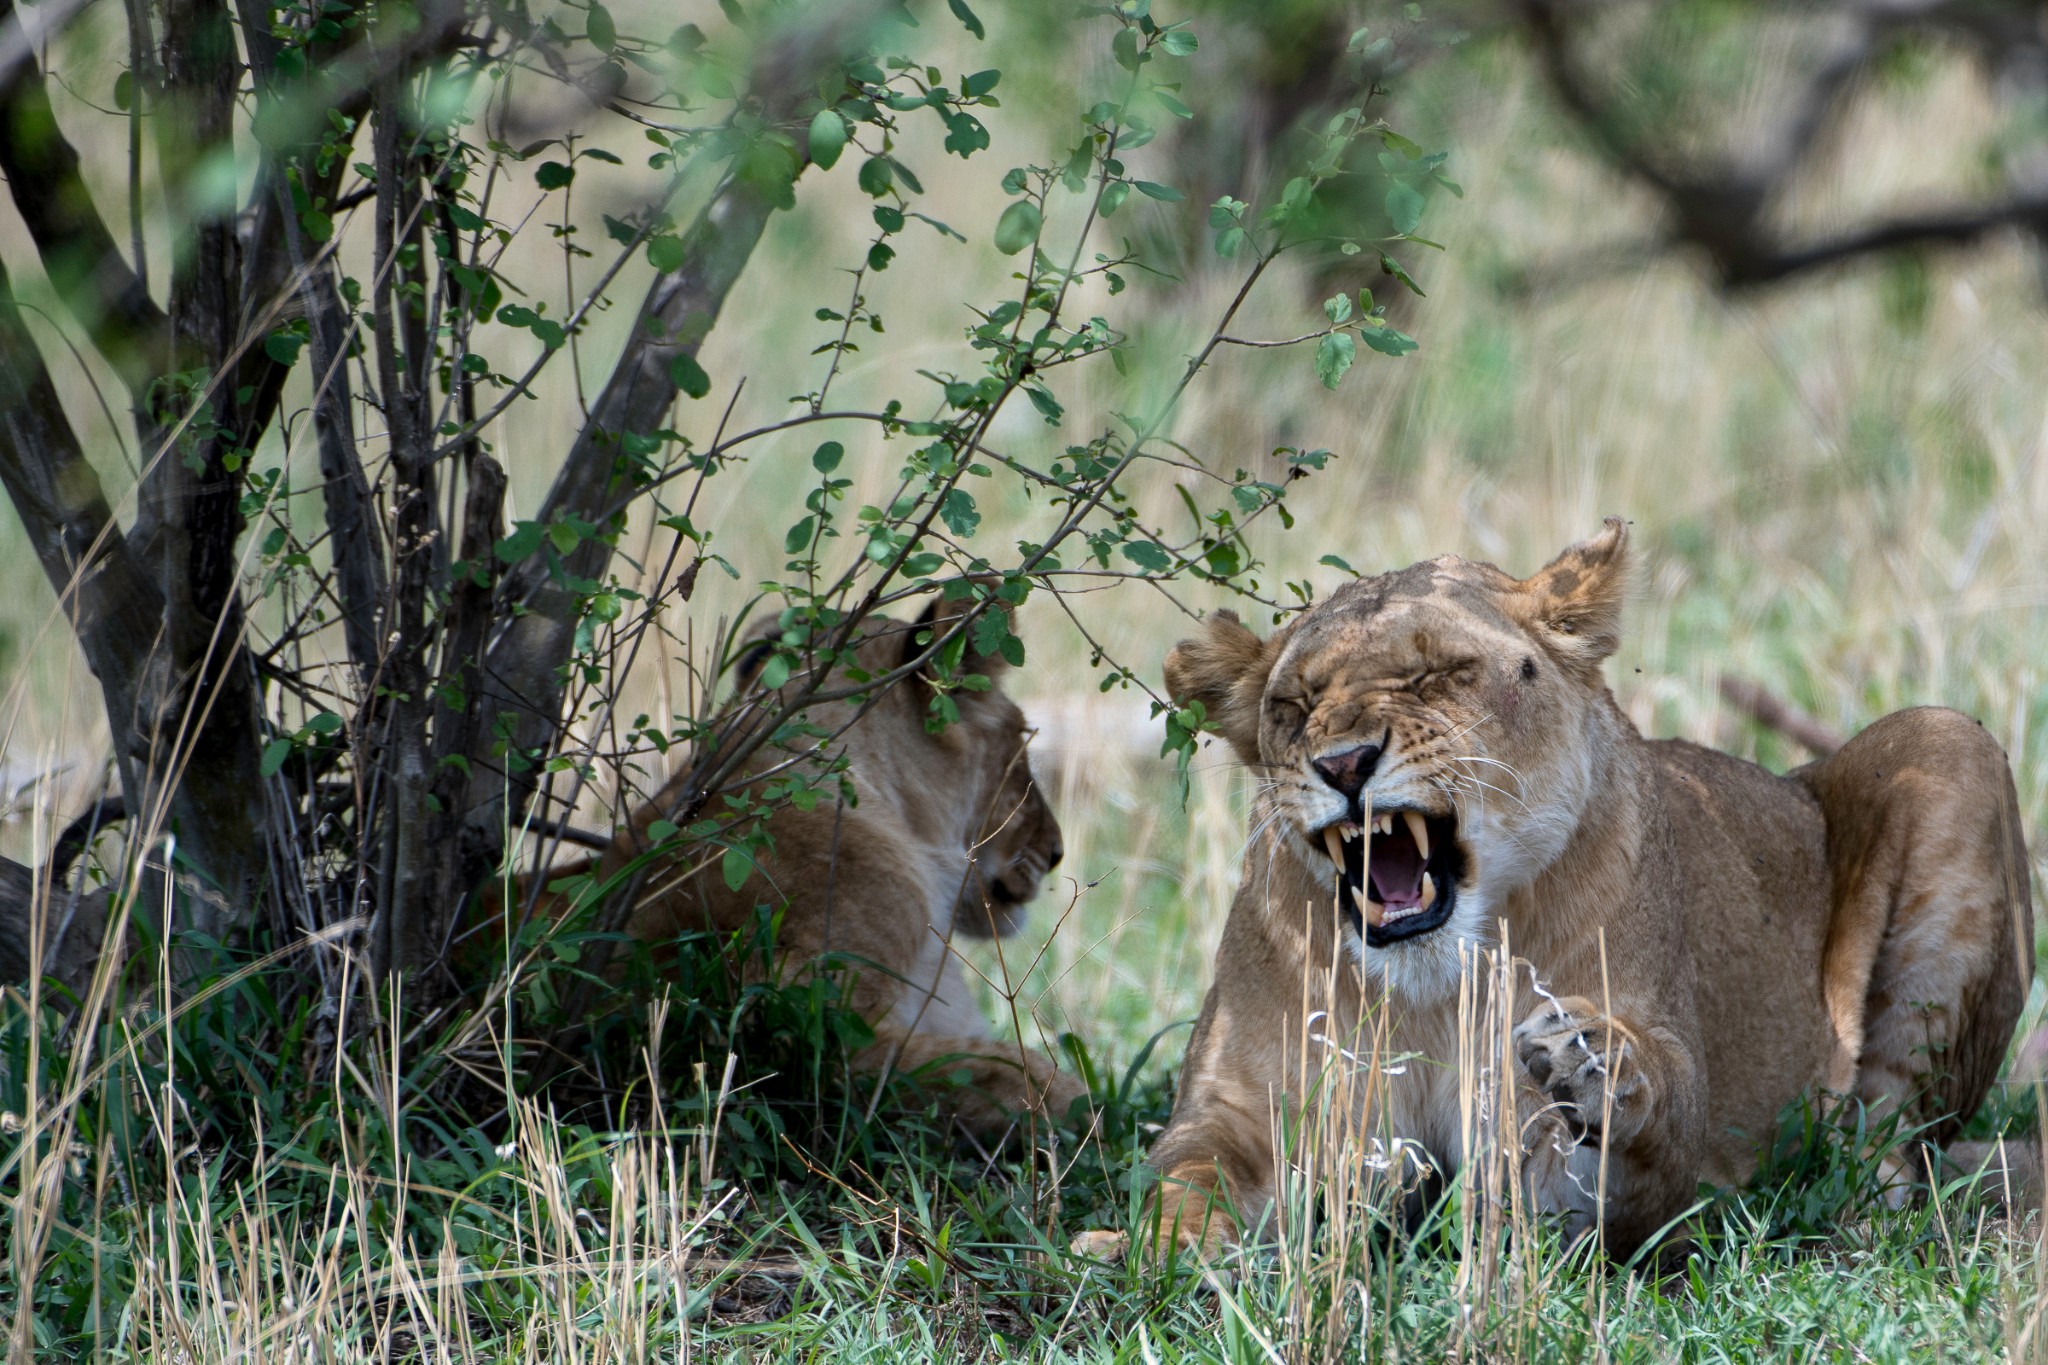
column 1696, row 942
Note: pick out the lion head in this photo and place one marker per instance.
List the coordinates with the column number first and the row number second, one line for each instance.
column 957, row 802
column 1427, row 741
column 1017, row 848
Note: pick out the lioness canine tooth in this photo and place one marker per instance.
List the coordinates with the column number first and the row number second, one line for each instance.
column 1419, row 828
column 1428, row 892
column 1365, row 851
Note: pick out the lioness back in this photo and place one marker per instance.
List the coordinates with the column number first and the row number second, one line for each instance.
column 1751, row 849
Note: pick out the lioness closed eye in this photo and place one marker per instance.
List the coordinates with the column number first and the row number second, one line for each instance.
column 1439, row 758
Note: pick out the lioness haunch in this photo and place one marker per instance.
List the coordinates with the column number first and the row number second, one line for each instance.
column 1439, row 758
column 948, row 833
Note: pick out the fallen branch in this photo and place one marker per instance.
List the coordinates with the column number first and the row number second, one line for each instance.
column 1775, row 713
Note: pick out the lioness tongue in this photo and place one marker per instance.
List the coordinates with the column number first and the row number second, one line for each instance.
column 1397, row 867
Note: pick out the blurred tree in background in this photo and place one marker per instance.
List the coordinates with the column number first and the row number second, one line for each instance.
column 335, row 704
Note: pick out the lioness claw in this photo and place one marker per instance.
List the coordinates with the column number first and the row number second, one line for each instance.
column 1580, row 1060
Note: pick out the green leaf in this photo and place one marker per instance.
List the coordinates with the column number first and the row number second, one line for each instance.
column 524, row 540
column 602, row 32
column 737, row 866
column 957, row 510
column 283, row 346
column 966, row 17
column 1337, row 307
column 1391, row 139
column 1337, row 563
column 660, row 831
column 1334, row 356
column 665, row 253
column 965, row 134
column 1179, row 42
column 1393, row 267
column 689, row 376
column 980, row 83
column 1388, row 340
column 1124, row 47
column 274, row 755
column 1048, row 407
column 876, row 176
column 1230, row 241
column 1152, row 189
column 827, row 138
column 799, row 538
column 826, row 457
column 552, row 175
column 1147, row 556
column 775, row 672
column 325, row 723
column 1018, row 227
column 1404, row 206
column 124, row 91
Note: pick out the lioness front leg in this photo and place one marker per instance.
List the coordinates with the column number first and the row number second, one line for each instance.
column 1216, row 1165
column 1186, row 1219
column 1622, row 1095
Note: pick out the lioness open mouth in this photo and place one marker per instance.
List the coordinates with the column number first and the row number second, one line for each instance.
column 1402, row 880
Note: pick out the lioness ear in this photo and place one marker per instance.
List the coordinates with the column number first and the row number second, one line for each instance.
column 994, row 630
column 1224, row 668
column 1575, row 601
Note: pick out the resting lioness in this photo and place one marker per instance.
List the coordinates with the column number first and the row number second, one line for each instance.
column 943, row 831
column 1442, row 763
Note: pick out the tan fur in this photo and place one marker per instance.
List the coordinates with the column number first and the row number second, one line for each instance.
column 946, row 833
column 1860, row 926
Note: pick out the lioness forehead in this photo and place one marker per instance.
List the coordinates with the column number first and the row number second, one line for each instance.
column 1442, row 605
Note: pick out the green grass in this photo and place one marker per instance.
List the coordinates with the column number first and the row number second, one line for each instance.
column 189, row 1209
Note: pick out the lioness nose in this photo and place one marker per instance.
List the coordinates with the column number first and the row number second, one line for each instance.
column 1054, row 854
column 1348, row 771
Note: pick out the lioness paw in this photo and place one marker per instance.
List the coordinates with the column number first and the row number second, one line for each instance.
column 1101, row 1244
column 1191, row 1248
column 1580, row 1059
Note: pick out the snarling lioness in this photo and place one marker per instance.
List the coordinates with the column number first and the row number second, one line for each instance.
column 942, row 832
column 1442, row 766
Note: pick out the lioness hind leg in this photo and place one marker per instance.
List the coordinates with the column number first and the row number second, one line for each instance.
column 1930, row 944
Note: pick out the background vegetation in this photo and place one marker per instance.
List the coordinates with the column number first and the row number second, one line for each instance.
column 1837, row 486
